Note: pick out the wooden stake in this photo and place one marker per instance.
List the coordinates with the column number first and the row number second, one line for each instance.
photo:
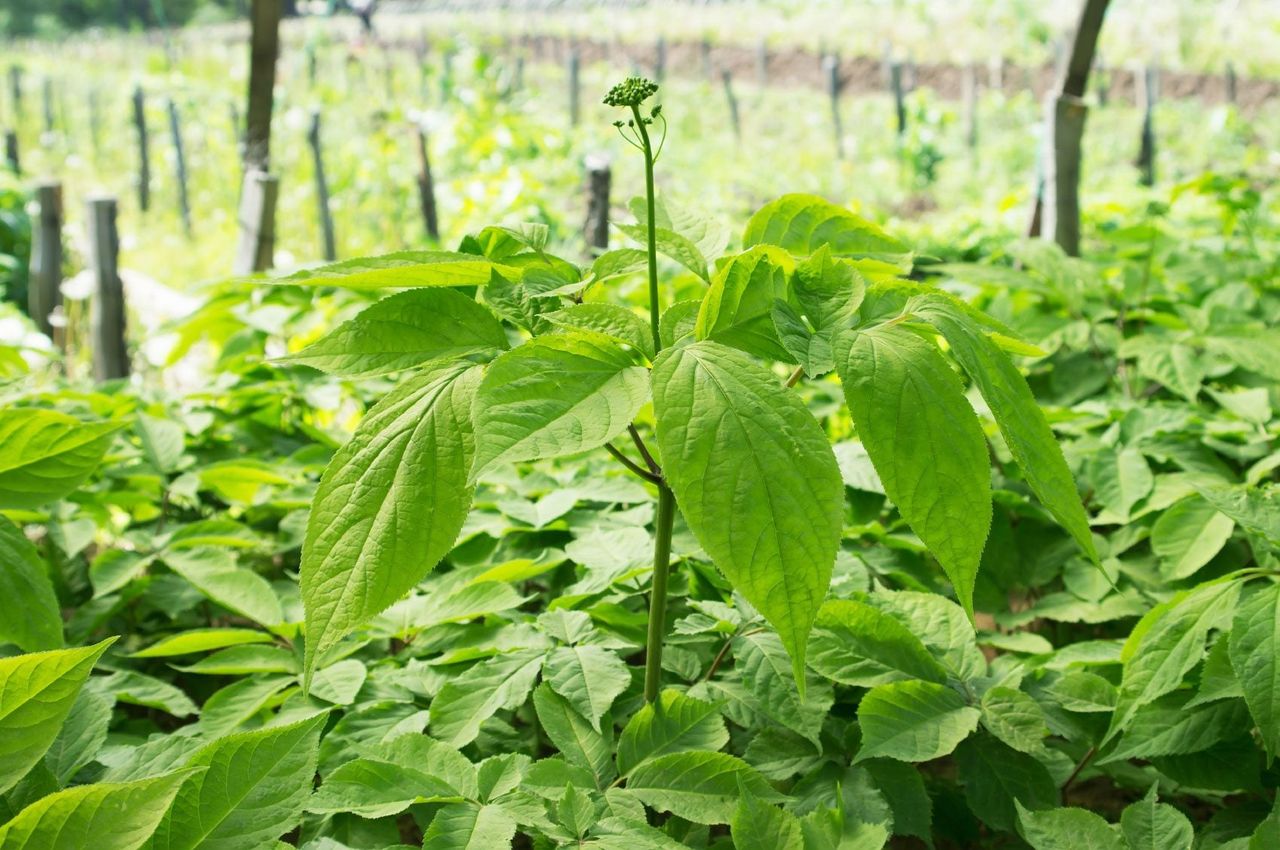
column 257, row 218
column 46, row 97
column 660, row 60
column 831, row 69
column 762, row 63
column 899, row 97
column 427, row 187
column 726, row 79
column 1146, row 82
column 45, row 293
column 264, row 49
column 575, row 92
column 15, row 92
column 969, row 85
column 706, row 58
column 11, row 151
column 107, row 308
column 144, row 155
column 322, row 190
column 599, row 178
column 1229, row 81
column 180, row 165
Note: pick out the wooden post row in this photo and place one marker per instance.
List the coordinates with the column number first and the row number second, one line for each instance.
column 106, row 308
column 144, row 158
column 180, row 166
column 599, row 178
column 322, row 190
column 45, row 293
column 427, row 188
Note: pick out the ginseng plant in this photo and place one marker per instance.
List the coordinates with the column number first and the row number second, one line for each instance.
column 511, row 354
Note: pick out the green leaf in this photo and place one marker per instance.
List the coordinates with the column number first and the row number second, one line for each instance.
column 44, row 455
column 761, row 661
column 576, row 812
column 1152, row 825
column 1068, row 829
column 32, row 619
column 1166, row 644
column 759, row 826
column 736, row 444
column 903, row 789
column 465, row 826
column 674, row 723
column 403, row 331
column 616, row 322
column 201, row 640
column 913, row 721
column 926, row 443
column 1169, row 727
column 856, row 644
column 1187, row 536
column 389, row 505
column 162, row 442
column 678, row 321
column 500, row 683
column 577, row 741
column 1121, row 478
column 1255, row 509
column 252, row 789
column 402, row 269
column 82, row 734
column 1024, row 426
column 373, row 788
column 995, row 776
column 214, row 573
column 827, row 293
column 1015, row 718
column 801, row 224
column 556, row 395
column 589, row 677
column 119, row 816
column 698, row 786
column 738, row 308
column 1254, row 650
column 37, row 692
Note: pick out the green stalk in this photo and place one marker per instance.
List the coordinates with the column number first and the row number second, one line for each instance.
column 654, row 306
column 666, row 499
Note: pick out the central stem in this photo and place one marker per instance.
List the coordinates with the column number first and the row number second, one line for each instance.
column 666, row 499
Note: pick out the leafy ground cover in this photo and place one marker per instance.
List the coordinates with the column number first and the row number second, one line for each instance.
column 780, row 530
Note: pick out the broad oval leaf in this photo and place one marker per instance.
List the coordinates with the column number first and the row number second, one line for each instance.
column 1151, row 825
column 119, row 816
column 251, row 790
column 738, row 308
column 674, row 723
column 405, row 330
column 756, row 480
column 925, row 441
column 801, row 224
column 698, row 786
column 390, row 504
column 913, row 721
column 37, row 692
column 32, row 619
column 556, row 395
column 589, row 677
column 1068, row 829
column 612, row 320
column 1188, row 535
column 858, row 644
column 44, row 455
column 466, row 826
column 1254, row 650
column 402, row 269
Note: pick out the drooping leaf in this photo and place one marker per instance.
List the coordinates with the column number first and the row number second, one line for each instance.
column 120, row 816
column 761, row 660
column 573, row 735
column 556, row 395
column 389, row 505
column 995, row 776
column 926, row 443
column 699, row 786
column 1021, row 421
column 1188, row 535
column 405, row 330
column 735, row 443
column 1254, row 650
column 674, row 723
column 37, row 692
column 32, row 619
column 913, row 721
column 215, row 574
column 44, row 455
column 251, row 790
column 1121, row 477
column 802, row 224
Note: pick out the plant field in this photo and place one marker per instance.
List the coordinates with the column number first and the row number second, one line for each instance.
column 739, row 466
